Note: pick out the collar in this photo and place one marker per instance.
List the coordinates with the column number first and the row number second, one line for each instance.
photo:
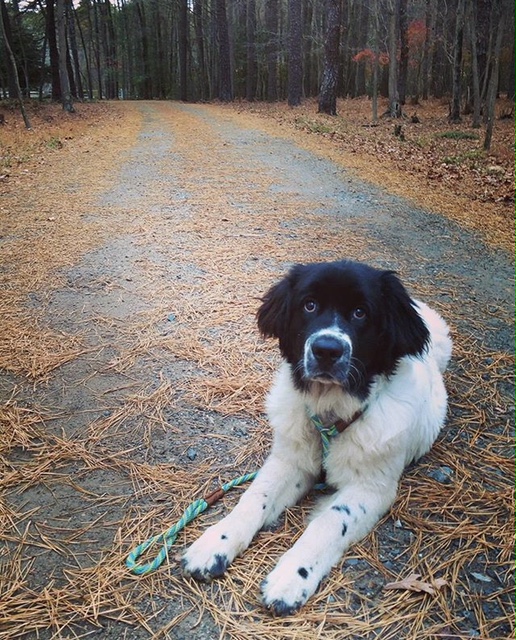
column 338, row 426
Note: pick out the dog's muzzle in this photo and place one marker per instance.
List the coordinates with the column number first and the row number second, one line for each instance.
column 327, row 357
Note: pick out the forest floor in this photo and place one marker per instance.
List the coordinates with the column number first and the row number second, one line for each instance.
column 135, row 242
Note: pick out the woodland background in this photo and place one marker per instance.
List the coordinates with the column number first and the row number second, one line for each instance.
column 269, row 50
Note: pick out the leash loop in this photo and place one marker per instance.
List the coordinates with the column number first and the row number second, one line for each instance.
column 168, row 538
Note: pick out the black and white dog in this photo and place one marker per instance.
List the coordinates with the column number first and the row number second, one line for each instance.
column 363, row 362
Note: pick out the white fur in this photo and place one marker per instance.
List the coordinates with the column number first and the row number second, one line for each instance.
column 401, row 419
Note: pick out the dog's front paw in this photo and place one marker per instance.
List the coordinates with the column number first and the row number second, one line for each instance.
column 209, row 556
column 287, row 588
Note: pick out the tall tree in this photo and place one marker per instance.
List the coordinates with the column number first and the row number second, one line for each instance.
column 50, row 25
column 146, row 85
column 251, row 65
column 511, row 80
column 204, row 76
column 295, row 61
column 457, row 64
column 471, row 23
column 4, row 20
column 376, row 61
column 271, row 28
column 74, row 49
column 498, row 16
column 428, row 47
column 66, row 95
column 183, row 50
column 404, row 52
column 361, row 39
column 225, row 76
column 13, row 81
column 393, row 9
column 328, row 92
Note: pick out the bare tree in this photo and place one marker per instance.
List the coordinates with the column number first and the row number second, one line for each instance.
column 393, row 9
column 66, row 95
column 271, row 27
column 251, row 66
column 225, row 79
column 471, row 22
column 498, row 16
column 404, row 52
column 428, row 47
column 376, row 61
column 457, row 63
column 328, row 91
column 4, row 19
column 183, row 50
column 295, row 63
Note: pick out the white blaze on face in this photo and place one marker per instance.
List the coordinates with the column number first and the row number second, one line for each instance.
column 327, row 354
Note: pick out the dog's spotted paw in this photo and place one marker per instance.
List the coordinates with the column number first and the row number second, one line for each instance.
column 209, row 556
column 287, row 588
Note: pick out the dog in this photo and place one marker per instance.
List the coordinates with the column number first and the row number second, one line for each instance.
column 359, row 396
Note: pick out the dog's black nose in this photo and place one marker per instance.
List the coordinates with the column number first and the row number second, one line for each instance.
column 328, row 349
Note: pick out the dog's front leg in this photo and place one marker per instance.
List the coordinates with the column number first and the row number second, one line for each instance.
column 351, row 514
column 281, row 482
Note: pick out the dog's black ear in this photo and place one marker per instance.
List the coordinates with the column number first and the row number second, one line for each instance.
column 274, row 312
column 405, row 332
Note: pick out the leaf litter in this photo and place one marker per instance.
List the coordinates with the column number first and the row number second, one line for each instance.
column 96, row 402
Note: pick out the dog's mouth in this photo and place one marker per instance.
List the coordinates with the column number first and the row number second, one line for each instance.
column 326, row 377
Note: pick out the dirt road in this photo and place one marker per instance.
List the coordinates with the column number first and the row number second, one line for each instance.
column 133, row 382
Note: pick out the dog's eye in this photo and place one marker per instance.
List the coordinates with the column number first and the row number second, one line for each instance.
column 310, row 306
column 359, row 313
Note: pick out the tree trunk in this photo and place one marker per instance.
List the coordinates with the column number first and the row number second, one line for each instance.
column 12, row 72
column 511, row 89
column 183, row 50
column 66, row 96
column 295, row 67
column 52, row 50
column 376, row 61
column 204, row 80
column 361, row 44
column 96, row 39
column 12, row 62
column 251, row 66
column 146, row 92
column 225, row 79
column 394, row 103
column 429, row 45
column 511, row 81
column 472, row 30
column 404, row 52
column 74, row 51
column 328, row 92
column 271, row 28
column 494, row 66
column 457, row 64
column 483, row 10
column 85, row 53
column 111, row 53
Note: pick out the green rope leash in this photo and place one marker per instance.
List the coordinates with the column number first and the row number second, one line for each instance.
column 168, row 538
column 326, row 434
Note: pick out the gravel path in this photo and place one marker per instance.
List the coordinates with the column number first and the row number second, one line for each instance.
column 205, row 211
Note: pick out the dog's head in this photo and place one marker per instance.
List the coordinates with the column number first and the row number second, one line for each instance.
column 341, row 323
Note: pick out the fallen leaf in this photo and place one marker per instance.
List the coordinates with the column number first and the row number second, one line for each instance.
column 413, row 583
column 480, row 577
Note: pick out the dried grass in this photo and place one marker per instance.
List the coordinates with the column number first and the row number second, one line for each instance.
column 211, row 327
